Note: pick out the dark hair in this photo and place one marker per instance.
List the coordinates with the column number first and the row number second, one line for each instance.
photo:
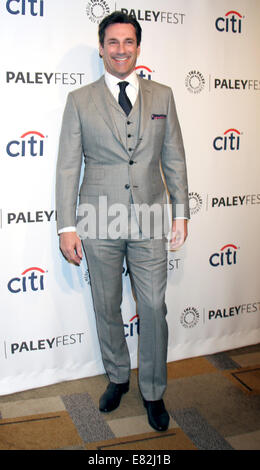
column 119, row 17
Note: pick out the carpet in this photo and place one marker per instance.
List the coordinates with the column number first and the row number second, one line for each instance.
column 172, row 439
column 213, row 401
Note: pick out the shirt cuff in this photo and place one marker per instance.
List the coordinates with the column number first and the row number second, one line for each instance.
column 67, row 229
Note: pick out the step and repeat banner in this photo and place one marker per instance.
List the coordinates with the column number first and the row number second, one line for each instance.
column 208, row 52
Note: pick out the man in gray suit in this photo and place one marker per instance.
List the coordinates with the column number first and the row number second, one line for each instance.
column 127, row 130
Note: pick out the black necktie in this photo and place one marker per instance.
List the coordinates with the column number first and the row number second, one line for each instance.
column 123, row 99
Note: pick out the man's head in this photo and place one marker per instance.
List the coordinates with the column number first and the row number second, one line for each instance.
column 119, row 43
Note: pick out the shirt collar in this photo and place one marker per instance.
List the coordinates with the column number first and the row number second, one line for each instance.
column 112, row 81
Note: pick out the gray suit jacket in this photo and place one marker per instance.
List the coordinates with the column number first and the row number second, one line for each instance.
column 89, row 131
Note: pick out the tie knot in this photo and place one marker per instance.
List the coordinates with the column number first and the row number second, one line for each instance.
column 123, row 85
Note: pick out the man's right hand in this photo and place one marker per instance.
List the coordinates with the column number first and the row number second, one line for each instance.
column 70, row 245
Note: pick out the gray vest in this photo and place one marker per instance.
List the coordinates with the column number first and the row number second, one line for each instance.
column 128, row 129
column 127, row 126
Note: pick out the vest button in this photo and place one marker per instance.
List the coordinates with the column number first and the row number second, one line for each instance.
column 130, row 149
column 127, row 186
column 131, row 162
column 129, row 135
column 128, row 122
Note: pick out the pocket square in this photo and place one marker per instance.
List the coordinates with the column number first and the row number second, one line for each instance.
column 159, row 116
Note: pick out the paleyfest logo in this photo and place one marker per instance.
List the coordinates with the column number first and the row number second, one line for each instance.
column 45, row 78
column 190, row 317
column 195, row 81
column 43, row 344
column 195, row 203
column 97, row 10
column 156, row 16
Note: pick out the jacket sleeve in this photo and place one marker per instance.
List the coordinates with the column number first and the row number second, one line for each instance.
column 174, row 163
column 68, row 166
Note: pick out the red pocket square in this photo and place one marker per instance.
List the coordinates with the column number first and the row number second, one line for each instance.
column 159, row 116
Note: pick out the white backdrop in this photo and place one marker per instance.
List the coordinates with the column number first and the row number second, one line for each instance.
column 208, row 53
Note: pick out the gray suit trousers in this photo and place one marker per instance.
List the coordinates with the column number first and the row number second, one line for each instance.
column 147, row 264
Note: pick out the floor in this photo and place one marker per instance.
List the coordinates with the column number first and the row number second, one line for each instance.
column 213, row 401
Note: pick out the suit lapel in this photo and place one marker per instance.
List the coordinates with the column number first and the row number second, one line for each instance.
column 146, row 104
column 101, row 98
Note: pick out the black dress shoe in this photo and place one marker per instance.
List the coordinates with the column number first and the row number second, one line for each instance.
column 158, row 416
column 110, row 400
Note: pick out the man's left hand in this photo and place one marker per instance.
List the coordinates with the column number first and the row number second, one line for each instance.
column 179, row 233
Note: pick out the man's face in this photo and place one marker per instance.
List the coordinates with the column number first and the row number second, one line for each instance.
column 120, row 49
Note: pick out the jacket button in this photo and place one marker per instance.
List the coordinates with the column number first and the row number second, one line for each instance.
column 127, row 186
column 131, row 162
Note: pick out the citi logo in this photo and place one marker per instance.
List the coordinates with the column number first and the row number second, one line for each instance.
column 229, row 141
column 32, row 279
column 25, row 7
column 30, row 144
column 132, row 327
column 232, row 22
column 144, row 72
column 226, row 256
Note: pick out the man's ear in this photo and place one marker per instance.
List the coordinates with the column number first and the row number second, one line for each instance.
column 100, row 51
